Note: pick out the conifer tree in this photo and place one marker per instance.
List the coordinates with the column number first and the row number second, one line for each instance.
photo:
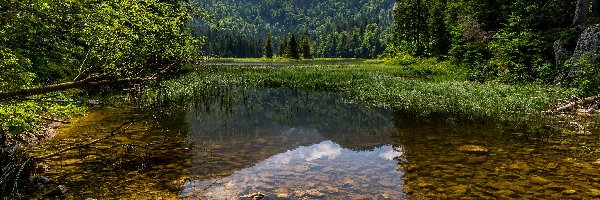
column 283, row 48
column 293, row 49
column 305, row 46
column 269, row 46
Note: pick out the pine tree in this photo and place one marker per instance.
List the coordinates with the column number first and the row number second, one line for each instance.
column 269, row 46
column 293, row 51
column 283, row 48
column 305, row 46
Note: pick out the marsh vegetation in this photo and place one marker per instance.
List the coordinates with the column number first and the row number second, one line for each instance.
column 308, row 99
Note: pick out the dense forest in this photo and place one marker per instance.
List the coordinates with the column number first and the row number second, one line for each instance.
column 347, row 29
column 509, row 41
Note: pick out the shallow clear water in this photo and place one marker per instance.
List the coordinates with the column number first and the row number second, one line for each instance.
column 291, row 145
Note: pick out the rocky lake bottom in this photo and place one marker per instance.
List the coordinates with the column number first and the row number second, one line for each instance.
column 290, row 145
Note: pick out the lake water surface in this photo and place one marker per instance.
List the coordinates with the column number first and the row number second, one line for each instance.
column 292, row 144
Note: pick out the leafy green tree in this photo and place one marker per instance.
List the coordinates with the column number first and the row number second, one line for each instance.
column 410, row 28
column 293, row 49
column 53, row 46
column 439, row 37
column 269, row 46
column 305, row 46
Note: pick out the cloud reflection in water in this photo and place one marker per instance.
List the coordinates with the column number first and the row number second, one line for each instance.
column 321, row 170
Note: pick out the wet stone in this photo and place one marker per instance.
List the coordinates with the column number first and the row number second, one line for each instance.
column 539, row 180
column 459, row 189
column 569, row 192
column 555, row 187
column 551, row 166
column 314, row 193
column 476, row 159
column 519, row 166
column 473, row 149
column 453, row 159
column 503, row 193
column 517, row 189
column 595, row 192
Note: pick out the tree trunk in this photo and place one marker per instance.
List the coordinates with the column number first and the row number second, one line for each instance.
column 68, row 85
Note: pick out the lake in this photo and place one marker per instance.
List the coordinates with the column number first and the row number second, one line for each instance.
column 289, row 144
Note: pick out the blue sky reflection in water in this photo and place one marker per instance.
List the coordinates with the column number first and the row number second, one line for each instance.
column 319, row 170
column 290, row 144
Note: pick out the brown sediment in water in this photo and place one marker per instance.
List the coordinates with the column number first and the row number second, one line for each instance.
column 122, row 167
column 319, row 147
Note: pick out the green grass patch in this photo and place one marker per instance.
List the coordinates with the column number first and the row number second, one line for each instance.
column 423, row 89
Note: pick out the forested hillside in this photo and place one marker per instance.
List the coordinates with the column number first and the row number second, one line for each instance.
column 358, row 28
column 508, row 41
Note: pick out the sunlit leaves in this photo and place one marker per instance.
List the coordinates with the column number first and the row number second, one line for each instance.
column 45, row 42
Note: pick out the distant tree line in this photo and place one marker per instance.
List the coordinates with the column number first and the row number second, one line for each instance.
column 360, row 28
column 229, row 44
column 291, row 48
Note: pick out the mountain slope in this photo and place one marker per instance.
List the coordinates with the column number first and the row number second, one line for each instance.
column 357, row 28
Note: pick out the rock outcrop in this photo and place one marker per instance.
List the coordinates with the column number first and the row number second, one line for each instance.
column 585, row 53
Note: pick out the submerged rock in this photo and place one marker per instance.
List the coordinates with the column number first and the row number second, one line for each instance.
column 539, row 180
column 476, row 159
column 254, row 196
column 450, row 159
column 459, row 189
column 59, row 191
column 520, row 166
column 473, row 149
column 569, row 192
column 314, row 193
column 595, row 192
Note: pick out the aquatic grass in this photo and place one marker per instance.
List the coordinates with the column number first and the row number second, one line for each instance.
column 15, row 171
column 463, row 100
column 439, row 92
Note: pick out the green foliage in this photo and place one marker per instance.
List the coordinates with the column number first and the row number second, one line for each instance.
column 519, row 55
column 410, row 28
column 505, row 41
column 305, row 46
column 283, row 48
column 16, row 72
column 386, row 85
column 358, row 28
column 269, row 46
column 587, row 81
column 48, row 42
column 21, row 116
column 293, row 49
column 401, row 58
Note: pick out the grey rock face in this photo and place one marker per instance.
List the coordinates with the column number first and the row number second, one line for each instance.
column 586, row 52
